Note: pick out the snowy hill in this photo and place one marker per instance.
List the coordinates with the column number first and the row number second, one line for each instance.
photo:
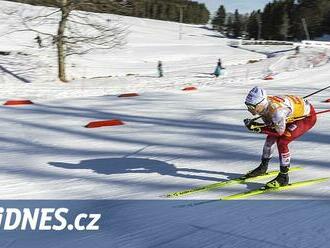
column 211, row 116
column 172, row 139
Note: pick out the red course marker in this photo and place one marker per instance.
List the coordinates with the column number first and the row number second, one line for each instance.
column 189, row 88
column 269, row 77
column 106, row 123
column 18, row 102
column 129, row 95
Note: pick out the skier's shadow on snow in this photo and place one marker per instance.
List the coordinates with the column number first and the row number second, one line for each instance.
column 109, row 166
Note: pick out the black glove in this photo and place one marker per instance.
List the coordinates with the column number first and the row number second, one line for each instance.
column 253, row 125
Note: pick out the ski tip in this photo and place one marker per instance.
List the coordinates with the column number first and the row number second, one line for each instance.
column 178, row 194
column 264, row 189
column 171, row 195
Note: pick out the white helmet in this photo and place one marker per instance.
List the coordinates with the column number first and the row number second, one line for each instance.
column 256, row 95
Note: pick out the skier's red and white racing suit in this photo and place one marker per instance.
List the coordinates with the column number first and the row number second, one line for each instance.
column 288, row 117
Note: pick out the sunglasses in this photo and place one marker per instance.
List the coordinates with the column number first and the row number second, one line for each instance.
column 251, row 106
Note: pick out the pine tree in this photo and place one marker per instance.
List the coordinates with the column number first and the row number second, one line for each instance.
column 204, row 14
column 311, row 11
column 237, row 25
column 172, row 14
column 229, row 26
column 162, row 11
column 219, row 20
column 291, row 12
column 326, row 22
column 253, row 25
column 284, row 30
column 266, row 21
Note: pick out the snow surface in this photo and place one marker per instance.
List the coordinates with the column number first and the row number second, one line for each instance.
column 172, row 139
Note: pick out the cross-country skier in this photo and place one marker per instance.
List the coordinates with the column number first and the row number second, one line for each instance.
column 286, row 118
column 160, row 69
column 218, row 68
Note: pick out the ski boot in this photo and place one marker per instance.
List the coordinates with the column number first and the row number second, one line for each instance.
column 260, row 170
column 282, row 178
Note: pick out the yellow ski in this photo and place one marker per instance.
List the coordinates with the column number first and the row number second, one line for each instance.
column 263, row 190
column 225, row 183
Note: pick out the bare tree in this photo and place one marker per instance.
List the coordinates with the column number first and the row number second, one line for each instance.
column 78, row 32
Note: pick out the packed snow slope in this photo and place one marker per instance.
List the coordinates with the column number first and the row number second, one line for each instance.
column 171, row 140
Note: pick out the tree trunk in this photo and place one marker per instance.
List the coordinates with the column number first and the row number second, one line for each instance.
column 61, row 51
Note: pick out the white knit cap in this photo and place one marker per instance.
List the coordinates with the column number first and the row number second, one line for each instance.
column 256, row 96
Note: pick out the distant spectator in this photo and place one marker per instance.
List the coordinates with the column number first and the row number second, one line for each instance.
column 218, row 69
column 220, row 64
column 160, row 69
column 39, row 41
column 297, row 49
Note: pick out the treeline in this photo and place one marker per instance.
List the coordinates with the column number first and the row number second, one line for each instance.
column 193, row 12
column 230, row 24
column 279, row 20
column 169, row 10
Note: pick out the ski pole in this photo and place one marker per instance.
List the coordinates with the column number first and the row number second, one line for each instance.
column 318, row 91
column 294, row 119
column 316, row 113
column 323, row 111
